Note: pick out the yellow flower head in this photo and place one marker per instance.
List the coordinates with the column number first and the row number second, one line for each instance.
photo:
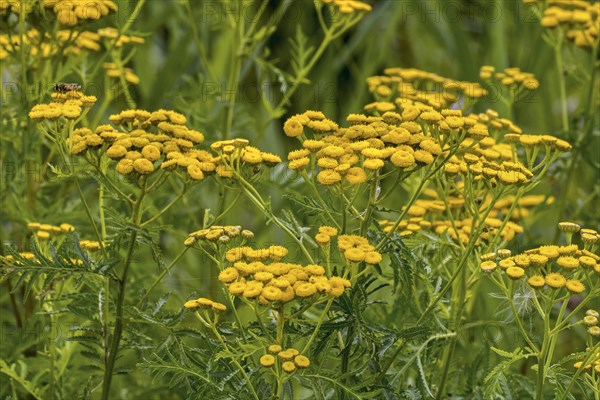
column 299, row 164
column 143, row 166
column 356, row 176
column 522, row 260
column 590, row 320
column 568, row 262
column 328, row 177
column 124, row 166
column 575, row 286
column 314, row 270
column 536, row 281
column 252, row 289
column 549, row 251
column 328, row 230
column 537, row 260
column 515, row 272
column 237, row 288
column 423, row 157
column 322, row 239
column 288, row 366
column 372, row 257
column 228, row 275
column 488, row 266
column 43, row 235
column 277, row 252
column 301, row 361
column 587, row 261
column 354, row 254
column 274, row 348
column 191, row 305
column 305, row 289
column 286, row 354
column 267, row 360
column 373, row 164
column 272, row 293
column 569, row 227
column 402, row 159
column 219, row 307
column 555, row 280
column 293, row 127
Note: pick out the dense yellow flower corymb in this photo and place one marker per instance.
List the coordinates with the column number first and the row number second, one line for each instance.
column 71, row 12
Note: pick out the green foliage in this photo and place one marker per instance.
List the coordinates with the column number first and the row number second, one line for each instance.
column 97, row 311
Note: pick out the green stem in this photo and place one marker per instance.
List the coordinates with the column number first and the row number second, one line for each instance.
column 118, row 330
column 542, row 357
column 280, row 324
column 318, row 326
column 364, row 226
column 319, row 198
column 165, row 208
column 162, row 275
column 254, row 196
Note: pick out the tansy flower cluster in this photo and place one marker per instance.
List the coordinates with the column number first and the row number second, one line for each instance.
column 510, row 77
column 91, row 245
column 484, row 146
column 66, row 105
column 233, row 154
column 252, row 277
column 113, row 71
column 403, row 85
column 11, row 261
column 357, row 249
column 147, row 141
column 430, row 111
column 349, row 6
column 44, row 231
column 112, row 33
column 485, row 158
column 204, row 303
column 579, row 19
column 591, row 320
column 64, row 42
column 366, row 146
column 218, row 234
column 290, row 359
column 457, row 229
column 553, row 267
column 72, row 12
column 593, row 364
column 432, row 215
column 325, row 234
